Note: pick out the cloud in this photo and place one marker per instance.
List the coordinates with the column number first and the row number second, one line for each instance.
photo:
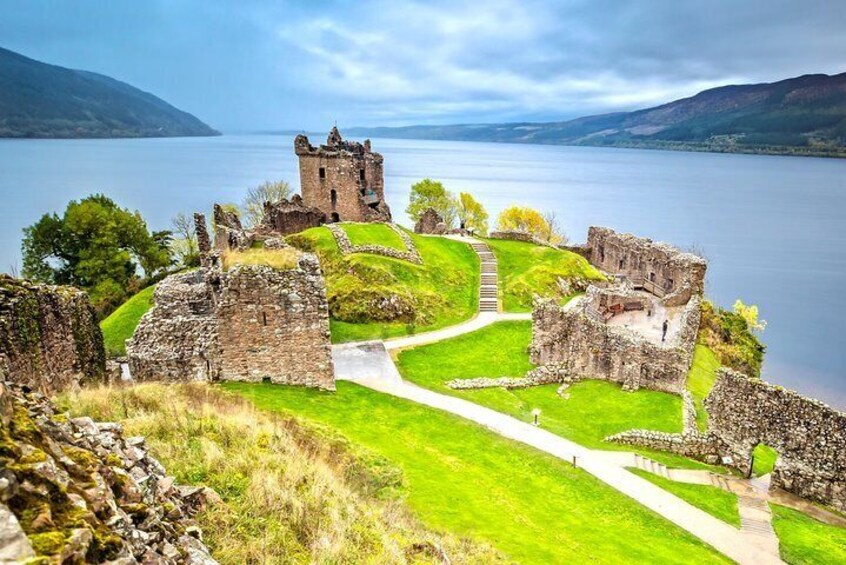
column 264, row 64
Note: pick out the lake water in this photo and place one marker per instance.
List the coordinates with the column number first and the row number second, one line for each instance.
column 772, row 228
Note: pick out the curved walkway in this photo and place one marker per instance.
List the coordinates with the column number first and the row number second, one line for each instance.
column 370, row 364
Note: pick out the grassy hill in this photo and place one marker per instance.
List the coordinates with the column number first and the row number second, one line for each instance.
column 120, row 324
column 805, row 115
column 42, row 100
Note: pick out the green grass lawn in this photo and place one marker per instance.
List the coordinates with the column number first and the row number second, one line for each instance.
column 764, row 460
column 373, row 234
column 713, row 500
column 120, row 324
column 460, row 477
column 593, row 411
column 443, row 291
column 805, row 541
column 526, row 269
column 700, row 381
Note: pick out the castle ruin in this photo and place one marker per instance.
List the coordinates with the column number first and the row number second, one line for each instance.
column 342, row 179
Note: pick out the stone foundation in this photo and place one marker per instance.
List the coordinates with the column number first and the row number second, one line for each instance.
column 49, row 336
column 346, row 247
column 252, row 323
column 588, row 348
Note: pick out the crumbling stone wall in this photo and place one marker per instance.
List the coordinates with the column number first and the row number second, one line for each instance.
column 589, row 348
column 430, row 222
column 517, row 235
column 228, row 231
column 78, row 491
column 49, row 336
column 346, row 247
column 290, row 216
column 672, row 274
column 809, row 436
column 250, row 323
column 343, row 179
column 275, row 325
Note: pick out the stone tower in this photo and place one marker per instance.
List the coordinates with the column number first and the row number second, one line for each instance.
column 343, row 179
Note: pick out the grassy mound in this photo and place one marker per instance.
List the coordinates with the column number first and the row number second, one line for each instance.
column 806, row 541
column 526, row 269
column 280, row 259
column 373, row 297
column 700, row 381
column 291, row 494
column 727, row 334
column 713, row 500
column 120, row 324
column 373, row 234
column 462, row 478
column 593, row 411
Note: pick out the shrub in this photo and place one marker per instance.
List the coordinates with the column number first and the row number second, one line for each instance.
column 731, row 339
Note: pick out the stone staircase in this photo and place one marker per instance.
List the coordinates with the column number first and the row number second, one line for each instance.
column 488, row 292
column 650, row 466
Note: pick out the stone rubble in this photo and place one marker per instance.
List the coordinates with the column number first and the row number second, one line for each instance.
column 78, row 491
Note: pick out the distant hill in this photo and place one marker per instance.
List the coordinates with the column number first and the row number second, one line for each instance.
column 802, row 116
column 41, row 100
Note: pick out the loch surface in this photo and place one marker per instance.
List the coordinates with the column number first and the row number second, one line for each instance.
column 772, row 228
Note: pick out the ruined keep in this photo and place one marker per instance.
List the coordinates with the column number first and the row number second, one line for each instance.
column 290, row 216
column 49, row 336
column 663, row 270
column 343, row 179
column 250, row 323
column 809, row 436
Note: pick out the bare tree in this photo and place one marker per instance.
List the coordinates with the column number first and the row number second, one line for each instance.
column 268, row 191
column 184, row 242
column 553, row 233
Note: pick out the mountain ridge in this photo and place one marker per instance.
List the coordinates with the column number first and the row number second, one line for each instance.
column 804, row 115
column 41, row 100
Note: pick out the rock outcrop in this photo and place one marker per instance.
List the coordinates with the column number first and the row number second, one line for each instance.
column 49, row 336
column 77, row 491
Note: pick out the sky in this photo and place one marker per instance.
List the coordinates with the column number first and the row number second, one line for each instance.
column 253, row 65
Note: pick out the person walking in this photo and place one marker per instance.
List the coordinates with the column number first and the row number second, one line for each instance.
column 664, row 331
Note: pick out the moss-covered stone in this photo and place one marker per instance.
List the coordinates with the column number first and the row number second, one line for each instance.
column 47, row 543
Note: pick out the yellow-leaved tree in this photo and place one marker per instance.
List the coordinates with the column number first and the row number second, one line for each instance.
column 750, row 314
column 471, row 214
column 529, row 220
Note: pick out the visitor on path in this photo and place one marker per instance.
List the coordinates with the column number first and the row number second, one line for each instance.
column 664, row 331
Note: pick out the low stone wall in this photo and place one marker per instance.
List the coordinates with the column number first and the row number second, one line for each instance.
column 252, row 323
column 590, row 349
column 516, row 235
column 49, row 336
column 809, row 436
column 545, row 375
column 707, row 448
column 346, row 247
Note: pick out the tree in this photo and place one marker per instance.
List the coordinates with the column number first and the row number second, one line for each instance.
column 472, row 214
column 750, row 315
column 183, row 245
column 529, row 220
column 97, row 246
column 268, row 191
column 431, row 194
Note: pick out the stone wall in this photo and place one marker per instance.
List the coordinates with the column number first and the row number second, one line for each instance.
column 343, row 179
column 677, row 275
column 49, row 336
column 516, row 235
column 290, row 216
column 430, row 222
column 78, row 491
column 809, row 436
column 346, row 247
column 251, row 323
column 589, row 348
column 274, row 325
column 228, row 231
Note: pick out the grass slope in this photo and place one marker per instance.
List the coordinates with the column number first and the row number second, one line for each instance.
column 373, row 234
column 120, row 324
column 442, row 292
column 463, row 478
column 593, row 411
column 805, row 541
column 291, row 494
column 765, row 460
column 713, row 500
column 700, row 381
column 526, row 269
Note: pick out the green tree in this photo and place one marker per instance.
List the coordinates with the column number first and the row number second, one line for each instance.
column 750, row 315
column 529, row 220
column 431, row 194
column 97, row 246
column 472, row 214
column 268, row 191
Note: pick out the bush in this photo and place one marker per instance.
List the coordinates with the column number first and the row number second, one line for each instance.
column 731, row 339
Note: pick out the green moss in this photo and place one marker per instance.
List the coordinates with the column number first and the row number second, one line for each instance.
column 47, row 543
column 22, row 425
column 35, row 456
column 82, row 457
column 114, row 460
